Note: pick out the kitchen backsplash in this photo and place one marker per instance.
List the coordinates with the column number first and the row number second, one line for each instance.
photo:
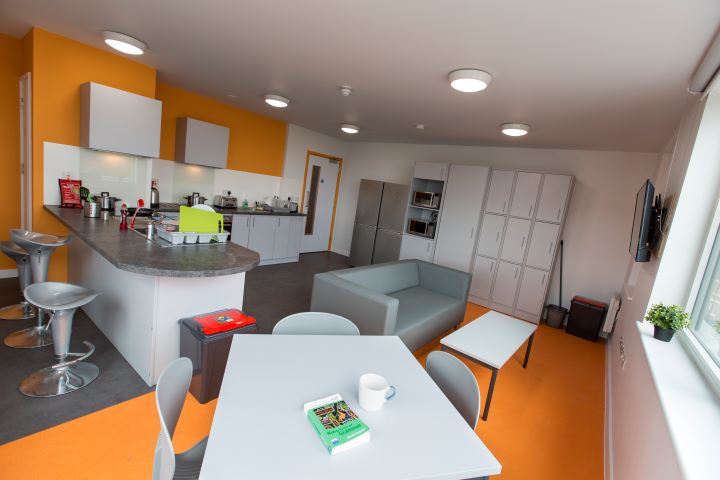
column 128, row 177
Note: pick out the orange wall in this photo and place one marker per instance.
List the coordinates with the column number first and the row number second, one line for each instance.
column 11, row 58
column 59, row 67
column 257, row 143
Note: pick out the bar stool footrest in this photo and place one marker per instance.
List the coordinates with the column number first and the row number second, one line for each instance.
column 82, row 356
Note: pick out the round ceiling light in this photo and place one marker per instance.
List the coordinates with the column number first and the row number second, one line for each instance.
column 276, row 101
column 469, row 80
column 351, row 129
column 124, row 43
column 515, row 129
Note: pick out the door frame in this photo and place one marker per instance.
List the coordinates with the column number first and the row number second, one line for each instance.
column 337, row 188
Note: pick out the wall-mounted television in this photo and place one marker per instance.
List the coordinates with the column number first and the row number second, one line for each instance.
column 647, row 223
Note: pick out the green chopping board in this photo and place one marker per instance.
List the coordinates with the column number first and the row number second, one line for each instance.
column 200, row 221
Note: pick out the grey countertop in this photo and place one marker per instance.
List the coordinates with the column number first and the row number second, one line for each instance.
column 130, row 251
column 174, row 207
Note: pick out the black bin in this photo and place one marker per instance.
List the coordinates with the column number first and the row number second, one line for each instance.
column 209, row 351
column 586, row 318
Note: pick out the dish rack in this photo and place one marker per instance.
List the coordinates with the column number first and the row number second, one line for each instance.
column 179, row 238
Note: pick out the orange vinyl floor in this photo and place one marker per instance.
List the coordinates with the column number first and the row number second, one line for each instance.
column 545, row 422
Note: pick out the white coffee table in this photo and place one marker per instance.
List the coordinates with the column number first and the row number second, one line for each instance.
column 491, row 340
column 259, row 430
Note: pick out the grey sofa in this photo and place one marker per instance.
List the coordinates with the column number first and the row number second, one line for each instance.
column 413, row 299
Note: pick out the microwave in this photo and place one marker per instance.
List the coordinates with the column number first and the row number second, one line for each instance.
column 425, row 228
column 426, row 199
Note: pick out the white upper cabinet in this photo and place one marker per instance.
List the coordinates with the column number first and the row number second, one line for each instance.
column 118, row 121
column 462, row 205
column 514, row 245
column 201, row 143
column 543, row 245
column 491, row 233
column 525, row 194
column 555, row 190
column 483, row 273
column 531, row 297
column 431, row 170
column 506, row 283
column 419, row 248
column 501, row 184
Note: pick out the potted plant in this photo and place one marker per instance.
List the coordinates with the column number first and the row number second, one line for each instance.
column 667, row 319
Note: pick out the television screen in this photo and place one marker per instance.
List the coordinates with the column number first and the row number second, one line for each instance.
column 640, row 238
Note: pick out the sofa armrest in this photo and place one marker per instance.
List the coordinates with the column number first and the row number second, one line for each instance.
column 447, row 281
column 372, row 312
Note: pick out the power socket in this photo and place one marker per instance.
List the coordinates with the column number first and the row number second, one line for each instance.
column 623, row 359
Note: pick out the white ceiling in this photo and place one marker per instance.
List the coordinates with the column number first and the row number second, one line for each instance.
column 590, row 74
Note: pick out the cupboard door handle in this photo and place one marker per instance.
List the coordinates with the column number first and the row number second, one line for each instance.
column 492, row 266
column 516, row 271
column 253, row 222
column 530, row 211
column 522, row 244
column 472, row 232
column 504, row 205
column 497, row 237
column 558, row 215
column 550, row 249
column 543, row 280
column 247, row 224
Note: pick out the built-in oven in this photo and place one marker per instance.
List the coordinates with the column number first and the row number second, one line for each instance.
column 424, row 228
column 227, row 222
column 426, row 199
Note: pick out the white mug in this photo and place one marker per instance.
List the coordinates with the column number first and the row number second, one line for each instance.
column 374, row 391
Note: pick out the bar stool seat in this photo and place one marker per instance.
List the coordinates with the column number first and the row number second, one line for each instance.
column 22, row 310
column 63, row 299
column 39, row 247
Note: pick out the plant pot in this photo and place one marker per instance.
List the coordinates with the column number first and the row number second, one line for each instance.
column 663, row 334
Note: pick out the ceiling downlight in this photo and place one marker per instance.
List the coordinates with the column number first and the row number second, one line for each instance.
column 469, row 80
column 124, row 43
column 515, row 129
column 277, row 101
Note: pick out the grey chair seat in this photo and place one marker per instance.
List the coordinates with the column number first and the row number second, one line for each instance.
column 13, row 250
column 29, row 240
column 22, row 310
column 189, row 463
column 58, row 296
column 423, row 314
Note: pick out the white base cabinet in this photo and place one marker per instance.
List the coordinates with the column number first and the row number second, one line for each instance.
column 414, row 246
column 276, row 238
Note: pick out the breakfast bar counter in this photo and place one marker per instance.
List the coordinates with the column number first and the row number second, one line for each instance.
column 146, row 288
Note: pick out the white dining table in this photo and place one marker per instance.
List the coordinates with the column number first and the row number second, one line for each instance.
column 259, row 430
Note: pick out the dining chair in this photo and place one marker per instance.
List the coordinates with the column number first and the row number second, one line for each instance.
column 170, row 393
column 315, row 323
column 457, row 382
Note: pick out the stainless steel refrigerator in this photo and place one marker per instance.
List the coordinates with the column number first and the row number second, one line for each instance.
column 379, row 222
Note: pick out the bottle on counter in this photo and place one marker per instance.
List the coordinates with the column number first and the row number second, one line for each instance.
column 123, row 214
column 154, row 195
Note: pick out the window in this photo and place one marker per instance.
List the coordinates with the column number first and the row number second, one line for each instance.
column 705, row 318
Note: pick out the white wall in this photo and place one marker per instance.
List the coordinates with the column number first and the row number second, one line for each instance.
column 598, row 224
column 641, row 442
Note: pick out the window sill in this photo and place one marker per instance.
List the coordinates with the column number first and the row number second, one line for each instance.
column 690, row 403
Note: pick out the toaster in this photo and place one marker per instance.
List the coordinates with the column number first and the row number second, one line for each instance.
column 225, row 201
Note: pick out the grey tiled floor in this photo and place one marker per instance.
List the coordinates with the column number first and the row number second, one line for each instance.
column 271, row 293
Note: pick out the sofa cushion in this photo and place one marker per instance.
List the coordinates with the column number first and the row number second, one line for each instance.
column 384, row 277
column 424, row 314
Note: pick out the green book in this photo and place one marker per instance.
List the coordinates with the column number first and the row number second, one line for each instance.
column 336, row 424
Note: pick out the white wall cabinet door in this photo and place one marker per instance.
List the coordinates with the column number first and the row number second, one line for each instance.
column 501, row 184
column 542, row 245
column 414, row 247
column 514, row 245
column 483, row 273
column 555, row 190
column 491, row 232
column 241, row 230
column 531, row 297
column 262, row 235
column 525, row 194
column 506, row 283
column 431, row 170
column 462, row 204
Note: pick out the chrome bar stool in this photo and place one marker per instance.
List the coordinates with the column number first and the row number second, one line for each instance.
column 63, row 299
column 39, row 247
column 22, row 310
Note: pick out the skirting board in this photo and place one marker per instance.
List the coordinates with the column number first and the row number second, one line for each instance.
column 340, row 251
column 608, row 443
column 9, row 273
